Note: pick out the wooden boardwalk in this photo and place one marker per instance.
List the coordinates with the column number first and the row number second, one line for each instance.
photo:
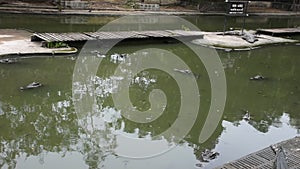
column 264, row 159
column 279, row 31
column 86, row 36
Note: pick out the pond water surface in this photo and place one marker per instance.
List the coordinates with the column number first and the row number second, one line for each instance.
column 40, row 128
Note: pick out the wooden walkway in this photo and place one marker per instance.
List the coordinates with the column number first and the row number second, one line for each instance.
column 264, row 159
column 279, row 31
column 85, row 36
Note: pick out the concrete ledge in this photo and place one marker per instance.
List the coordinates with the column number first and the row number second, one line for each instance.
column 151, row 7
column 76, row 4
column 121, row 12
column 235, row 42
column 17, row 42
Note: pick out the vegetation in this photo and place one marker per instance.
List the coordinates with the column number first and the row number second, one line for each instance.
column 56, row 45
column 201, row 5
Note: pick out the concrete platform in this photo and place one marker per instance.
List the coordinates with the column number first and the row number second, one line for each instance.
column 210, row 39
column 264, row 158
column 17, row 42
column 235, row 42
column 279, row 31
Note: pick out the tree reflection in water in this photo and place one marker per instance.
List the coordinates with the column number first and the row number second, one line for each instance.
column 32, row 131
column 33, row 123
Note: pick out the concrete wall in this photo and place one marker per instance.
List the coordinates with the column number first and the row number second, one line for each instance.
column 161, row 2
column 76, row 4
column 150, row 7
column 260, row 4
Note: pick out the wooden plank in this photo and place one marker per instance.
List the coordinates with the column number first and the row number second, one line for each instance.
column 279, row 31
column 59, row 37
column 54, row 36
column 50, row 37
column 265, row 157
column 79, row 36
column 44, row 37
column 98, row 35
column 73, row 36
column 68, row 38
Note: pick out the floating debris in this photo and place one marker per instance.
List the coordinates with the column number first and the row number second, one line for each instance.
column 31, row 86
column 183, row 71
column 115, row 58
column 186, row 71
column 143, row 81
column 209, row 155
column 8, row 61
column 98, row 54
column 257, row 77
column 95, row 51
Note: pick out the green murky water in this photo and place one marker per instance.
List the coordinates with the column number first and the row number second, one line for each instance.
column 40, row 128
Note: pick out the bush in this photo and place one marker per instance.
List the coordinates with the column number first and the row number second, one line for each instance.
column 56, row 45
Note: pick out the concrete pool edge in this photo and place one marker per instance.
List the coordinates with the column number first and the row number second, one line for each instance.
column 124, row 12
column 17, row 42
column 235, row 43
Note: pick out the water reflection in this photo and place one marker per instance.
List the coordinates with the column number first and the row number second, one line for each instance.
column 242, row 138
column 39, row 128
column 1, row 111
column 30, row 130
column 52, row 160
